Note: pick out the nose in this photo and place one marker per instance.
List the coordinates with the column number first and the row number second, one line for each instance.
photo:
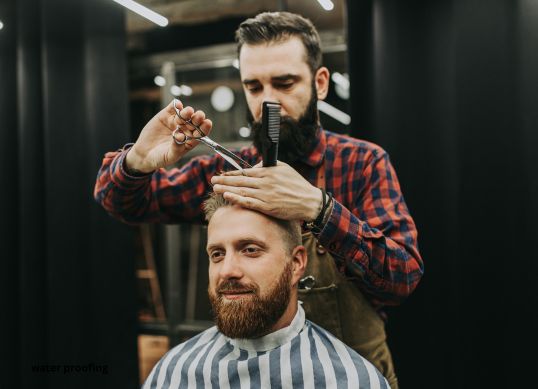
column 230, row 268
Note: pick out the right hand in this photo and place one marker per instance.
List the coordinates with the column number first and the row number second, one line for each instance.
column 155, row 147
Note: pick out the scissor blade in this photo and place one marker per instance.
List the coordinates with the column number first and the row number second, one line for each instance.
column 224, row 153
column 231, row 160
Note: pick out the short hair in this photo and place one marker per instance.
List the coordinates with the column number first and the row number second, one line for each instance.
column 290, row 229
column 270, row 27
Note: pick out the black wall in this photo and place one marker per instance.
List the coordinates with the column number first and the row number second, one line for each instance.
column 67, row 272
column 450, row 89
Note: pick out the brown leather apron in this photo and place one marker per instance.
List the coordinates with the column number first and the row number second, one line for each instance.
column 337, row 305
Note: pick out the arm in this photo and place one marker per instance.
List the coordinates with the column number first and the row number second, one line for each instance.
column 374, row 239
column 133, row 185
column 165, row 196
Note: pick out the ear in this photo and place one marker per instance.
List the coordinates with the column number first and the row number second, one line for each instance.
column 322, row 82
column 300, row 260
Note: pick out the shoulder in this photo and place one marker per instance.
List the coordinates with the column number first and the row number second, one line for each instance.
column 360, row 149
column 356, row 366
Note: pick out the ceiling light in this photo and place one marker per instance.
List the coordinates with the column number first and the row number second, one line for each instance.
column 159, row 81
column 334, row 112
column 175, row 90
column 341, row 85
column 341, row 79
column 144, row 12
column 1, row 25
column 186, row 90
column 222, row 98
column 326, row 4
column 244, row 132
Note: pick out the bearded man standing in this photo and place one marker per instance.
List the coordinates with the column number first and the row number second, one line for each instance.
column 261, row 339
column 359, row 235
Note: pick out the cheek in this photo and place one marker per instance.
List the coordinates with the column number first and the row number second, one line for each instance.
column 254, row 105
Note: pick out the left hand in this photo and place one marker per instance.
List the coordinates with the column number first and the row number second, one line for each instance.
column 277, row 191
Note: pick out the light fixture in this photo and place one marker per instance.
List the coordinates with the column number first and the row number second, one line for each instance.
column 144, row 12
column 334, row 112
column 341, row 85
column 327, row 5
column 186, row 90
column 244, row 132
column 175, row 90
column 1, row 25
column 222, row 98
column 159, row 81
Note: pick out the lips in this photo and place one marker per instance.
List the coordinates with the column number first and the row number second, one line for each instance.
column 235, row 294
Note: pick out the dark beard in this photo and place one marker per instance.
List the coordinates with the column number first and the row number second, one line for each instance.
column 297, row 137
column 254, row 316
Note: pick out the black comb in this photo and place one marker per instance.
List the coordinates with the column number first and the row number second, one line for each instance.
column 271, row 132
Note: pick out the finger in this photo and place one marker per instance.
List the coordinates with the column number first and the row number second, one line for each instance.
column 256, row 171
column 185, row 114
column 198, row 117
column 238, row 181
column 206, row 126
column 245, row 202
column 240, row 191
column 170, row 109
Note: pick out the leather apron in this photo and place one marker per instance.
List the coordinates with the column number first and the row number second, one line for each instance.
column 337, row 305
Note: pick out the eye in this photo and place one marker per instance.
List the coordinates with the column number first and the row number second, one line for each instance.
column 285, row 85
column 252, row 251
column 216, row 255
column 254, row 89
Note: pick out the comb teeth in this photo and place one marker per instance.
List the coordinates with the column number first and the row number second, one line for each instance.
column 273, row 122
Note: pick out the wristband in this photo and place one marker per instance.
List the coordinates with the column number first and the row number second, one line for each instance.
column 317, row 224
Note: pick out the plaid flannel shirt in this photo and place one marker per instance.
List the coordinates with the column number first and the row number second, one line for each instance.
column 370, row 232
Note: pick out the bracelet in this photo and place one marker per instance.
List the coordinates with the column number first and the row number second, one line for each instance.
column 316, row 224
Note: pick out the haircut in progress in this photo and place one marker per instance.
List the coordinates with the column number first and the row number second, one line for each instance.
column 290, row 229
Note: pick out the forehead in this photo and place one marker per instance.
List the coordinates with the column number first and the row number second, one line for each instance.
column 230, row 224
column 273, row 59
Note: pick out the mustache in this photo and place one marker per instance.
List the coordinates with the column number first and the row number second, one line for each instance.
column 236, row 286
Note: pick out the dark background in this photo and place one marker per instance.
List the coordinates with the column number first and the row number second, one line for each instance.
column 449, row 88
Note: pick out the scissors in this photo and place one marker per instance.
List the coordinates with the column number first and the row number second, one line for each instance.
column 199, row 135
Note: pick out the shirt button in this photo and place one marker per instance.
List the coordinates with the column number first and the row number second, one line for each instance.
column 320, row 249
column 333, row 246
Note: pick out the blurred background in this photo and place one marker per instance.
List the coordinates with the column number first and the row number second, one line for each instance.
column 449, row 88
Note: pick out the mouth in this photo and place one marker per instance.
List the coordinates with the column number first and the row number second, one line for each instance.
column 236, row 294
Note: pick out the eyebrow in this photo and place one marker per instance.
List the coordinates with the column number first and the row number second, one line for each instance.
column 283, row 77
column 239, row 243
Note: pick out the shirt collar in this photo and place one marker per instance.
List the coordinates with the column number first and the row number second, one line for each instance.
column 274, row 339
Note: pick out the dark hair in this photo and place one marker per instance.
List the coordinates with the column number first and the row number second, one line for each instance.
column 290, row 229
column 278, row 26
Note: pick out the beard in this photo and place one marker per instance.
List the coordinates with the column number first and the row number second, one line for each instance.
column 297, row 137
column 254, row 316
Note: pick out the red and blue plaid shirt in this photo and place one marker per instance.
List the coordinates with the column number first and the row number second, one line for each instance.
column 369, row 232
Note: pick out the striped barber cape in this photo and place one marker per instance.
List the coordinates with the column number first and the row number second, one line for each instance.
column 302, row 355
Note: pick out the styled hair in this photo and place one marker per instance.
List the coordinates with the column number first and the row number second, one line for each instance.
column 290, row 229
column 270, row 27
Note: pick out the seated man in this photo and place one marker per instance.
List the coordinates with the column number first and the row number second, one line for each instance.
column 261, row 338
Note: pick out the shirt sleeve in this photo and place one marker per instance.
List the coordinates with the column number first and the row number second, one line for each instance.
column 374, row 239
column 165, row 196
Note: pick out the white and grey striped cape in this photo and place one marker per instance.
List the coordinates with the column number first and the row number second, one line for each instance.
column 302, row 355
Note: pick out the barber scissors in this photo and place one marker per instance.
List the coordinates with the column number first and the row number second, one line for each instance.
column 199, row 135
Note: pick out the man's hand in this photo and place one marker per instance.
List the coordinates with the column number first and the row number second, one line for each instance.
column 155, row 147
column 278, row 191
